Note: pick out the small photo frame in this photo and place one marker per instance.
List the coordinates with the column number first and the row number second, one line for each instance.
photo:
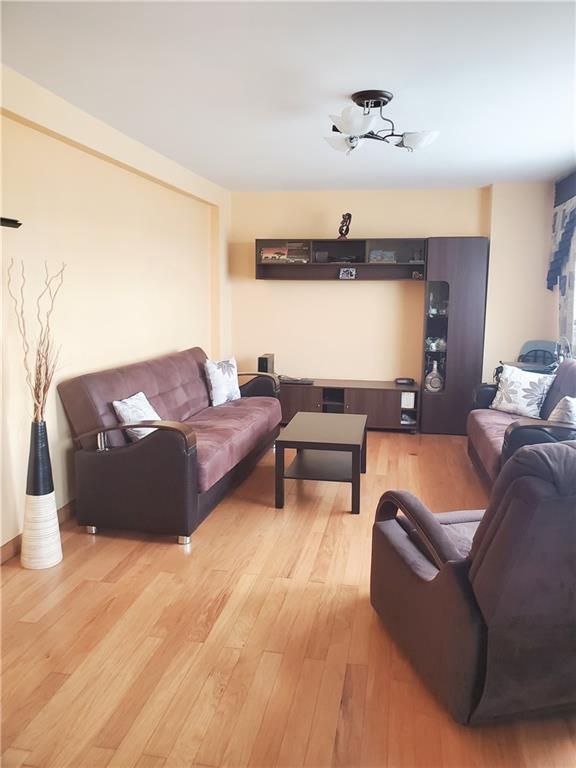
column 347, row 273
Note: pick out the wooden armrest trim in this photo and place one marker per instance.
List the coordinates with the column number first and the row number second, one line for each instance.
column 259, row 373
column 439, row 547
column 528, row 423
column 186, row 430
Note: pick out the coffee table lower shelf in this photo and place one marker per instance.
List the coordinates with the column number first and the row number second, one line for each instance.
column 332, row 466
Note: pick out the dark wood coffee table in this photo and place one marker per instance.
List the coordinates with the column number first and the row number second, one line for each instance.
column 330, row 446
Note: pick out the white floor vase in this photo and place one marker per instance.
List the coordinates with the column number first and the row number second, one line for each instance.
column 41, row 546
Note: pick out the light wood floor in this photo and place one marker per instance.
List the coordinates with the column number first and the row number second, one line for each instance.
column 255, row 646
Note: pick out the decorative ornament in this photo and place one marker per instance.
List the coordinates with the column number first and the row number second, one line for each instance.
column 344, row 227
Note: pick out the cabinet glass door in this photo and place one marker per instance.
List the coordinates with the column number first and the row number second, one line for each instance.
column 436, row 335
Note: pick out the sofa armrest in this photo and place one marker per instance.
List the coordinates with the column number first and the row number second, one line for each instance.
column 185, row 430
column 438, row 547
column 260, row 385
column 148, row 485
column 484, row 395
column 533, row 431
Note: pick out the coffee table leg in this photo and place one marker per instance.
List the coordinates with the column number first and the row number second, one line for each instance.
column 279, row 477
column 364, row 453
column 356, row 461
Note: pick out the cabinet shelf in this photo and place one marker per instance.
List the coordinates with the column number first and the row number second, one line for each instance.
column 323, row 259
column 380, row 401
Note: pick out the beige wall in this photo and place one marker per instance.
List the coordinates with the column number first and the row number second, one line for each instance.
column 137, row 282
column 519, row 307
column 332, row 329
column 374, row 330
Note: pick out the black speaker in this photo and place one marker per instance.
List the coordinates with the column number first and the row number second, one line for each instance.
column 266, row 363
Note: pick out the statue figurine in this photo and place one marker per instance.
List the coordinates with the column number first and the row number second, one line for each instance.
column 344, row 227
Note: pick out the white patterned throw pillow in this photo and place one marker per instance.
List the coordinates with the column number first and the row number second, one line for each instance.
column 222, row 380
column 565, row 411
column 134, row 409
column 521, row 392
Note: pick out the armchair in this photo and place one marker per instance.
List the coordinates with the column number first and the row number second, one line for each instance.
column 483, row 603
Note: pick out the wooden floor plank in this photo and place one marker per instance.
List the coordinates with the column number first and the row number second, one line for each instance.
column 255, row 646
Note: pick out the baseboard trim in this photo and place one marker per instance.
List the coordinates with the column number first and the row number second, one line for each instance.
column 12, row 548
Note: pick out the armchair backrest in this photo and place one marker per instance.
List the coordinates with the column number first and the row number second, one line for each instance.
column 174, row 384
column 523, row 574
column 528, row 527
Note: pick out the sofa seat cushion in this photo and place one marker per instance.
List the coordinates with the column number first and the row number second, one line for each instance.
column 486, row 428
column 226, row 433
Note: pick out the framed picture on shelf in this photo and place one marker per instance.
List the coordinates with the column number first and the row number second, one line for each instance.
column 347, row 273
column 274, row 254
column 286, row 253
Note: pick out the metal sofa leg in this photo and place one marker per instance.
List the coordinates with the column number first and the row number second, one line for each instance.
column 183, row 539
column 91, row 529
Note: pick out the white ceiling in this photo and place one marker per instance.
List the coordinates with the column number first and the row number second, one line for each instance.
column 241, row 92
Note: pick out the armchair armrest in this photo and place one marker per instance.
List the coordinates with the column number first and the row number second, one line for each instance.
column 185, row 430
column 437, row 545
column 533, row 431
column 483, row 395
column 261, row 384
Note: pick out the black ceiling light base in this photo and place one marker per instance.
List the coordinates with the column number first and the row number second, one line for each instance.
column 372, row 99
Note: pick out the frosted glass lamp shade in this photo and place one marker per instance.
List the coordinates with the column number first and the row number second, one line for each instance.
column 342, row 143
column 419, row 139
column 352, row 122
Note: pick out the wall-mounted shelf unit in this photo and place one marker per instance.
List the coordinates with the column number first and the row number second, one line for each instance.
column 456, row 274
column 361, row 259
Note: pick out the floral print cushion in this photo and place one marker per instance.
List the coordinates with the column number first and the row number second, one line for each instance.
column 521, row 392
column 222, row 380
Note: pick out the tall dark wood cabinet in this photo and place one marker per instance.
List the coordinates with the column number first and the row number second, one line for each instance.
column 454, row 318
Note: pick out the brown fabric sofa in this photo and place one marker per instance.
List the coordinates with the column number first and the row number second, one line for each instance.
column 170, row 480
column 484, row 603
column 493, row 436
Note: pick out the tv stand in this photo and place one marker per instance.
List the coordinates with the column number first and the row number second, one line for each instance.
column 386, row 404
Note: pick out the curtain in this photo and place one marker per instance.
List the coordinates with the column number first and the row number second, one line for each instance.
column 562, row 271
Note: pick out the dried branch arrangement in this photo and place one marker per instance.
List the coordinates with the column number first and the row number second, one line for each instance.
column 39, row 371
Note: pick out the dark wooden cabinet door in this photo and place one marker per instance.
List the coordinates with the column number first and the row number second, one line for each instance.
column 462, row 262
column 381, row 406
column 299, row 397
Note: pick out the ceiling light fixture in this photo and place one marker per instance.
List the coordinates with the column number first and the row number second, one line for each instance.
column 352, row 125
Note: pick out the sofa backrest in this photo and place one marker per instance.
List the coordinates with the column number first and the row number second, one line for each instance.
column 174, row 384
column 564, row 384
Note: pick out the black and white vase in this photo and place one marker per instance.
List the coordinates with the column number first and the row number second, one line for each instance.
column 41, row 545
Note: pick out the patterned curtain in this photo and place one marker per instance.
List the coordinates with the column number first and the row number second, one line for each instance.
column 562, row 271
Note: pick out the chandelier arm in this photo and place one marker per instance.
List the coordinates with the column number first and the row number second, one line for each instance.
column 392, row 126
column 372, row 135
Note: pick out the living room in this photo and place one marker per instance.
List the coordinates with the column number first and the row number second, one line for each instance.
column 169, row 200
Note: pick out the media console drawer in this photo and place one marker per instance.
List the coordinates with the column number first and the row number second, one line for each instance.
column 381, row 401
